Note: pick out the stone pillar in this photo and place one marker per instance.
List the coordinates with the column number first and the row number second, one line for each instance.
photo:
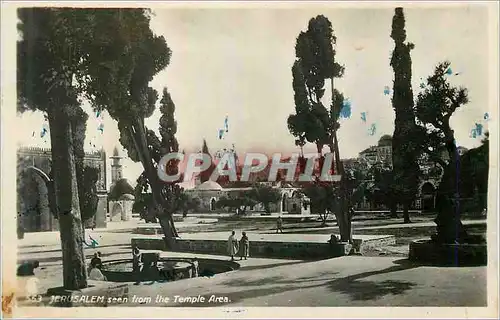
column 127, row 210
column 100, row 215
column 116, row 210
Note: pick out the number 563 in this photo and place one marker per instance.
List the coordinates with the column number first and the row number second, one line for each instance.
column 35, row 298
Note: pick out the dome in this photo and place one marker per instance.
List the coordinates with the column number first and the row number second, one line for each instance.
column 209, row 185
column 119, row 188
column 385, row 141
column 127, row 196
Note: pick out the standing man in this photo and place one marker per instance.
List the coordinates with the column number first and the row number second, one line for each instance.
column 279, row 225
column 244, row 246
column 136, row 258
column 232, row 245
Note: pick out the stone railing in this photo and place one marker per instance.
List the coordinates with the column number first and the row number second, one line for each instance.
column 263, row 249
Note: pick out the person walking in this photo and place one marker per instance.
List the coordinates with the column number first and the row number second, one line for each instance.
column 244, row 246
column 279, row 225
column 196, row 268
column 232, row 245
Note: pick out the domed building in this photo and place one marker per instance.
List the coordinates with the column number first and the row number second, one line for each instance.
column 121, row 198
column 209, row 192
column 385, row 141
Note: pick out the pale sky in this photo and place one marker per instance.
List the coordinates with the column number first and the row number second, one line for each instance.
column 237, row 62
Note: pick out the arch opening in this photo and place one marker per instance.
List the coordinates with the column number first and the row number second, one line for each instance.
column 283, row 203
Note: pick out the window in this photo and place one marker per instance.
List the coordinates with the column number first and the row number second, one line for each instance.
column 418, row 204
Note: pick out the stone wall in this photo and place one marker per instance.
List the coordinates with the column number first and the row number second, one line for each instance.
column 263, row 249
column 121, row 210
column 33, row 204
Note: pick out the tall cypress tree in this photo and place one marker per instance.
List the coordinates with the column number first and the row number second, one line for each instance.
column 404, row 150
column 313, row 122
column 206, row 174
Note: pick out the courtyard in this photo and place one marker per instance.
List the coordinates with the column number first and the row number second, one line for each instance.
column 381, row 277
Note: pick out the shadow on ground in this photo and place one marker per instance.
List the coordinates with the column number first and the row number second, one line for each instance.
column 351, row 285
column 268, row 266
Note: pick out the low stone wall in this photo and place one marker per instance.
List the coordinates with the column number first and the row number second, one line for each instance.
column 427, row 251
column 264, row 249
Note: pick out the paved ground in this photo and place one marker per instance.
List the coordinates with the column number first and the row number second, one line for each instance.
column 346, row 281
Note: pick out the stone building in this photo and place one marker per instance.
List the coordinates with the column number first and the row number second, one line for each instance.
column 33, row 183
column 209, row 192
column 121, row 199
column 381, row 153
column 429, row 179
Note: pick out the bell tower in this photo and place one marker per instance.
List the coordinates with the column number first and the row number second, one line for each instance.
column 116, row 166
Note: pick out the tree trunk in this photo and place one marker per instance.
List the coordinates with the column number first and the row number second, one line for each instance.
column 394, row 209
column 324, row 218
column 406, row 213
column 449, row 226
column 267, row 208
column 67, row 201
column 166, row 226
column 343, row 218
column 138, row 135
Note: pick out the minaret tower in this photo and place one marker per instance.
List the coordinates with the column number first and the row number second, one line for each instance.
column 116, row 166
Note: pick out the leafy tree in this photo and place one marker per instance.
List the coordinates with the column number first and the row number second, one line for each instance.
column 357, row 181
column 405, row 150
column 188, row 203
column 434, row 107
column 323, row 200
column 50, row 60
column 473, row 176
column 240, row 201
column 382, row 190
column 143, row 201
column 265, row 195
column 129, row 56
column 120, row 188
column 312, row 122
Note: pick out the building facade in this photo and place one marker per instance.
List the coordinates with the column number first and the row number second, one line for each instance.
column 209, row 192
column 431, row 173
column 34, row 211
column 121, row 199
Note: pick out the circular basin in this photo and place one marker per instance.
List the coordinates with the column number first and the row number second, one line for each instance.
column 166, row 269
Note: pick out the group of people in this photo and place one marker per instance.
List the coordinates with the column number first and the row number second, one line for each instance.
column 242, row 246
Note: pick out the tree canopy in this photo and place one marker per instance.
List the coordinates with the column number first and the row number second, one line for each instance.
column 405, row 148
column 265, row 195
